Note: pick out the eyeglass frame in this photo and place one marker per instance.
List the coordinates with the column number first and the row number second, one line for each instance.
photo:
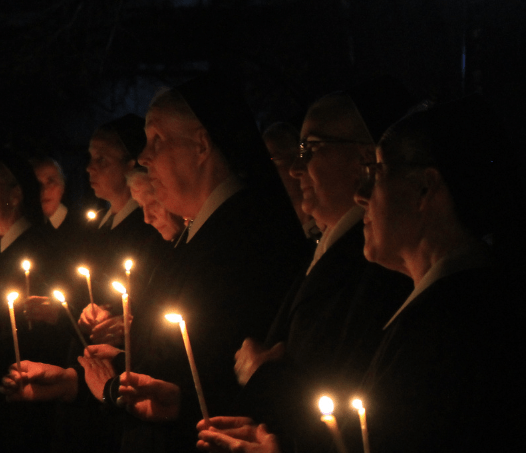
column 305, row 146
column 367, row 174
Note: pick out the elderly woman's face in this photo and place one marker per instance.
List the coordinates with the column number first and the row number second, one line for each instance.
column 390, row 201
column 154, row 213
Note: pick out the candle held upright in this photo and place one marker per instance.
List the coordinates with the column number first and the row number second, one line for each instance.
column 326, row 406
column 126, row 319
column 358, row 405
column 11, row 297
column 178, row 319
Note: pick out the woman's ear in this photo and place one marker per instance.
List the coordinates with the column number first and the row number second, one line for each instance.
column 204, row 143
column 429, row 182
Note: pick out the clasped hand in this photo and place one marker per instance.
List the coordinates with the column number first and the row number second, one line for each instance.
column 39, row 382
column 235, row 434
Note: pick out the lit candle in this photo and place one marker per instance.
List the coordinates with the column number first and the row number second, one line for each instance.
column 85, row 272
column 26, row 265
column 128, row 265
column 60, row 297
column 357, row 404
column 11, row 297
column 174, row 318
column 326, row 406
column 91, row 215
column 125, row 315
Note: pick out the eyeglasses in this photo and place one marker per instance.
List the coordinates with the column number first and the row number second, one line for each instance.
column 369, row 170
column 309, row 147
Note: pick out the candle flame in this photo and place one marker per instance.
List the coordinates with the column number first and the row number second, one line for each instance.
column 173, row 317
column 26, row 265
column 326, row 405
column 59, row 296
column 357, row 403
column 11, row 297
column 119, row 287
column 91, row 215
column 83, row 271
column 128, row 265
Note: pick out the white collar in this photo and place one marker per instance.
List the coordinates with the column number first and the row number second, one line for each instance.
column 16, row 230
column 463, row 258
column 58, row 216
column 330, row 236
column 130, row 206
column 219, row 195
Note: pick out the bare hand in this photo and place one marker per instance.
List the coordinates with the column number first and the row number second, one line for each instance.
column 110, row 331
column 41, row 309
column 102, row 351
column 235, row 434
column 97, row 372
column 91, row 316
column 39, row 382
column 150, row 399
column 252, row 355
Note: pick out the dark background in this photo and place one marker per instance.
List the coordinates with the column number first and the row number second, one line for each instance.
column 67, row 66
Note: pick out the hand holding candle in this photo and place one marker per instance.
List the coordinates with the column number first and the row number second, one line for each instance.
column 174, row 318
column 60, row 297
column 11, row 297
column 126, row 319
column 326, row 406
column 357, row 404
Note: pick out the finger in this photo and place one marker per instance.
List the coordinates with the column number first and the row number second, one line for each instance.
column 225, row 422
column 223, row 440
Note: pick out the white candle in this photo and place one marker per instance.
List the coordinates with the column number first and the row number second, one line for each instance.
column 326, row 406
column 62, row 300
column 174, row 318
column 11, row 297
column 85, row 272
column 26, row 265
column 357, row 404
column 128, row 264
column 126, row 320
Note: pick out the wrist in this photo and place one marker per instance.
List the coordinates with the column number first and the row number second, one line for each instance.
column 70, row 385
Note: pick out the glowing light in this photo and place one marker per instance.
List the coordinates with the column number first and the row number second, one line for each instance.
column 58, row 295
column 119, row 287
column 83, row 271
column 11, row 297
column 326, row 405
column 357, row 403
column 128, row 265
column 173, row 318
column 91, row 215
column 26, row 265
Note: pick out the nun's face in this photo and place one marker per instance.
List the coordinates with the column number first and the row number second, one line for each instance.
column 107, row 169
column 391, row 219
column 154, row 213
column 172, row 158
column 329, row 172
column 51, row 188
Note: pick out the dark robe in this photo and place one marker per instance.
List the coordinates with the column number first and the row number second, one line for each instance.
column 446, row 377
column 331, row 324
column 226, row 282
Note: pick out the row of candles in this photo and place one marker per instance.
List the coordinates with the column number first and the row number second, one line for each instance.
column 171, row 317
column 325, row 404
